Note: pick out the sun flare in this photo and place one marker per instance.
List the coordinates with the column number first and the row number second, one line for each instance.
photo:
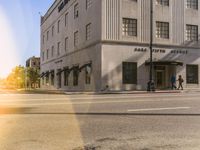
column 8, row 46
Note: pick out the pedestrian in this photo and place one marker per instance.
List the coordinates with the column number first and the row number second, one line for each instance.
column 180, row 82
column 173, row 82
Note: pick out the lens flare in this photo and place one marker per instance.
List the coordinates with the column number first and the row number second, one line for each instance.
column 8, row 47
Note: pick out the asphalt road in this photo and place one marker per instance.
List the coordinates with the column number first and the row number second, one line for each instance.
column 100, row 122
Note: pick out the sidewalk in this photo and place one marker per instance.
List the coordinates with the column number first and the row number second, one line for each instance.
column 39, row 91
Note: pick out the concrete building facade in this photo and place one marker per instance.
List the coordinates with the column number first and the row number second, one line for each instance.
column 93, row 45
column 33, row 62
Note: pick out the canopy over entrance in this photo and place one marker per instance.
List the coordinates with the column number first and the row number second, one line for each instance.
column 165, row 62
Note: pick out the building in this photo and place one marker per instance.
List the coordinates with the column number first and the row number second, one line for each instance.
column 32, row 76
column 93, row 45
column 33, row 62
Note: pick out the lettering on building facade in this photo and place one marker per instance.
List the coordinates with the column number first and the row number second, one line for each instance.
column 161, row 51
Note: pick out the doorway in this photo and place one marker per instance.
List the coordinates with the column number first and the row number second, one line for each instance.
column 160, row 76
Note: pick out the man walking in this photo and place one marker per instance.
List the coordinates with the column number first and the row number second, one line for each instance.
column 180, row 81
column 173, row 82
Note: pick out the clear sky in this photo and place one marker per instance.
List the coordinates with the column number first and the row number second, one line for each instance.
column 19, row 31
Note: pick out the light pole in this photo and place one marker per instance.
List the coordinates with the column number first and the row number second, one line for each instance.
column 150, row 86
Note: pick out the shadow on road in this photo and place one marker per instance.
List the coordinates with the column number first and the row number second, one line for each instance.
column 26, row 111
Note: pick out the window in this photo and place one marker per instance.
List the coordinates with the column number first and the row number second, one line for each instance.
column 162, row 30
column 47, row 78
column 66, row 44
column 129, row 72
column 75, row 75
column 191, row 33
column 76, row 11
column 129, row 27
column 66, row 77
column 58, row 26
column 88, row 3
column 58, row 49
column 66, row 19
column 52, row 51
column 52, row 30
column 47, row 35
column 43, row 39
column 43, row 53
column 88, row 31
column 88, row 74
column 52, row 77
column 163, row 2
column 192, row 73
column 76, row 38
column 192, row 4
column 47, row 54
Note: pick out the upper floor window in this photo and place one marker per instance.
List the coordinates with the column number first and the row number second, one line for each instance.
column 47, row 35
column 58, row 49
column 66, row 44
column 76, row 11
column 191, row 32
column 88, row 3
column 162, row 30
column 129, row 27
column 58, row 26
column 76, row 38
column 52, row 30
column 43, row 53
column 192, row 4
column 43, row 39
column 163, row 2
column 52, row 51
column 47, row 54
column 66, row 19
column 88, row 31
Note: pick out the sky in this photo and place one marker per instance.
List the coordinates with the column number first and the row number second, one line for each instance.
column 19, row 31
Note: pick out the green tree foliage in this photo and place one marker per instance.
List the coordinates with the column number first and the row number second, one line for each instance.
column 16, row 79
column 32, row 77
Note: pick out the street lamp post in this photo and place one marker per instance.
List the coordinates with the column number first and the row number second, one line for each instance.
column 150, row 86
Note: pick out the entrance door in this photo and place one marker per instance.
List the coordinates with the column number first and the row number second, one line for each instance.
column 160, row 79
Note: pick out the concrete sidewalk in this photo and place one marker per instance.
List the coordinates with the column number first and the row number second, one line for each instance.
column 39, row 91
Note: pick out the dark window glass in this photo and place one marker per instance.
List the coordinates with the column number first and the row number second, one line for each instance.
column 52, row 77
column 129, row 72
column 162, row 30
column 66, row 77
column 192, row 73
column 191, row 33
column 163, row 2
column 192, row 4
column 75, row 76
column 129, row 27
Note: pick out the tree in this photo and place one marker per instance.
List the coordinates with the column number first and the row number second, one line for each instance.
column 16, row 79
column 32, row 77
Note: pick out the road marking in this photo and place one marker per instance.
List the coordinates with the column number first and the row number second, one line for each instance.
column 157, row 109
column 95, row 97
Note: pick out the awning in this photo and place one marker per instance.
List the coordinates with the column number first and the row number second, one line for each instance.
column 59, row 72
column 42, row 75
column 85, row 65
column 52, row 72
column 47, row 74
column 166, row 63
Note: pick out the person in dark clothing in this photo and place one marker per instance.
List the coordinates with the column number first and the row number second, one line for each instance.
column 180, row 82
column 173, row 82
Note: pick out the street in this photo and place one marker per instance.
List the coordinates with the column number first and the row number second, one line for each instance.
column 157, row 121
